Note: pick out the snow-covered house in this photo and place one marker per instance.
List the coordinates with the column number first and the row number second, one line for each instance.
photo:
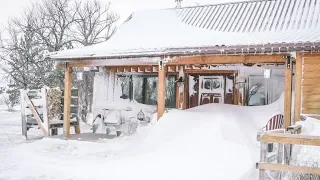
column 243, row 53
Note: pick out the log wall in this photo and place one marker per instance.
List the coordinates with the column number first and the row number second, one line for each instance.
column 311, row 84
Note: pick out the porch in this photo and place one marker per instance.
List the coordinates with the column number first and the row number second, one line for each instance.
column 179, row 70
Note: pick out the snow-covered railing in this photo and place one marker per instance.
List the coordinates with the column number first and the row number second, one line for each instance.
column 284, row 164
column 34, row 111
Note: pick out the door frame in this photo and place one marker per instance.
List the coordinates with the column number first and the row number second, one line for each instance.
column 209, row 72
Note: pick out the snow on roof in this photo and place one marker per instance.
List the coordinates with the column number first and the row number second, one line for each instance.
column 235, row 26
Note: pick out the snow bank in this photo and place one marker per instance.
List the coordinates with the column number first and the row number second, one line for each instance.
column 206, row 142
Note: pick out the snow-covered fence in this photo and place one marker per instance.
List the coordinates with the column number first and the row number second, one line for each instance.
column 283, row 166
column 35, row 111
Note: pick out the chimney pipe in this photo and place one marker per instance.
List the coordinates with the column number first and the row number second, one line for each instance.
column 178, row 3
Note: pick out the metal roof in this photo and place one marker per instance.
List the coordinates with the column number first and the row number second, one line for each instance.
column 254, row 16
column 260, row 26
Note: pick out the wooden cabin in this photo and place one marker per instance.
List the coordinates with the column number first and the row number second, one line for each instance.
column 242, row 53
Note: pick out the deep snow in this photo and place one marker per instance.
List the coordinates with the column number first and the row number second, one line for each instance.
column 207, row 142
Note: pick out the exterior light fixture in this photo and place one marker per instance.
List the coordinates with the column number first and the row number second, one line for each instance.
column 180, row 81
column 140, row 116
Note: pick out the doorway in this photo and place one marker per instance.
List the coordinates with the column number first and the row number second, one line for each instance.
column 210, row 88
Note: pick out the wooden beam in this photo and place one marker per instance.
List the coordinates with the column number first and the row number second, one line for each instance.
column 182, row 60
column 232, row 59
column 297, row 107
column 67, row 101
column 161, row 90
column 288, row 95
column 288, row 168
column 290, row 139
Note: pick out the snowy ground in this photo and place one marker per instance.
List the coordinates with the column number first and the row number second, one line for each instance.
column 206, row 142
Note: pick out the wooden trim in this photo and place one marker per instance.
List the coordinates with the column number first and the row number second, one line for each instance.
column 67, row 101
column 202, row 71
column 161, row 91
column 288, row 96
column 290, row 139
column 181, row 60
column 297, row 107
column 288, row 168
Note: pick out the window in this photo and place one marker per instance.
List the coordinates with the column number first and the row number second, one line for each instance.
column 143, row 89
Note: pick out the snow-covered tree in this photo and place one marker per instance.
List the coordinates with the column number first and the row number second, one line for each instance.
column 53, row 25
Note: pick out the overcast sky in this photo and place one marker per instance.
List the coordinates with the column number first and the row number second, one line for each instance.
column 13, row 8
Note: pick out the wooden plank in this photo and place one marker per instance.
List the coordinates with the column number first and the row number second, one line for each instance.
column 36, row 115
column 311, row 75
column 298, row 85
column 311, row 89
column 67, row 101
column 161, row 91
column 312, row 105
column 310, row 111
column 311, row 97
column 312, row 60
column 288, row 168
column 291, row 139
column 311, row 67
column 46, row 123
column 288, row 96
column 310, row 82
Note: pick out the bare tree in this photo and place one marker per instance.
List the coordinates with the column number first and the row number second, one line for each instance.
column 53, row 25
column 94, row 22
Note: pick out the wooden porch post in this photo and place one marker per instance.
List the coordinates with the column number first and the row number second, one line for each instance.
column 161, row 89
column 67, row 101
column 297, row 108
column 288, row 93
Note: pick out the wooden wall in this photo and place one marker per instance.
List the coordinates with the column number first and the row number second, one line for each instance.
column 311, row 84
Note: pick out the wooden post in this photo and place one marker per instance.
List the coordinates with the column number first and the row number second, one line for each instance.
column 288, row 93
column 46, row 123
column 67, row 101
column 23, row 114
column 297, row 107
column 161, row 89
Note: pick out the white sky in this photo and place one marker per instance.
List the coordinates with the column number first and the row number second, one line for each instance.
column 13, row 8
